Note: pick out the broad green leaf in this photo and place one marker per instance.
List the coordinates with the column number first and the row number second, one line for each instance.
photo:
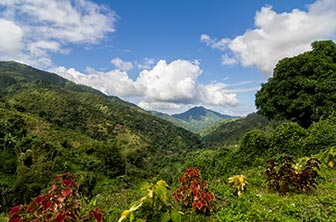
column 161, row 191
column 175, row 216
column 165, row 217
column 131, row 217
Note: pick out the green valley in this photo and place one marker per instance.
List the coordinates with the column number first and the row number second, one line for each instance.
column 197, row 119
column 274, row 165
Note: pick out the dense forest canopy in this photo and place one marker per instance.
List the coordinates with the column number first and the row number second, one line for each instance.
column 303, row 88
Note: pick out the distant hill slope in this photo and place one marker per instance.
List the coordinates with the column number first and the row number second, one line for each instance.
column 200, row 113
column 69, row 127
column 195, row 119
column 231, row 132
column 82, row 108
column 15, row 77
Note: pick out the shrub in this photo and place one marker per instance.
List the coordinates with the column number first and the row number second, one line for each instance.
column 283, row 177
column 154, row 206
column 255, row 142
column 287, row 138
column 329, row 157
column 238, row 182
column 321, row 135
column 61, row 203
column 193, row 192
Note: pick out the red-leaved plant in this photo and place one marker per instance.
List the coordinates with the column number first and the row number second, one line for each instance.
column 60, row 204
column 283, row 177
column 193, row 192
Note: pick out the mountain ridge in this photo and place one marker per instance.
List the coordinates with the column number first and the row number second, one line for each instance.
column 196, row 119
column 49, row 125
column 199, row 112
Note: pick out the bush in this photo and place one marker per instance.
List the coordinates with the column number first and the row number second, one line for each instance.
column 61, row 203
column 238, row 182
column 321, row 135
column 193, row 192
column 288, row 139
column 284, row 177
column 154, row 206
column 255, row 142
column 329, row 157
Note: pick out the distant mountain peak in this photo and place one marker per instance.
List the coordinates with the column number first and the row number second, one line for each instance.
column 200, row 113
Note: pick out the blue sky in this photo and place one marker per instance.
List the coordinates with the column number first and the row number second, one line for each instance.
column 165, row 55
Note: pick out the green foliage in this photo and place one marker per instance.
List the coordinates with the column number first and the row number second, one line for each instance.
column 15, row 77
column 287, row 138
column 255, row 143
column 193, row 192
column 283, row 177
column 49, row 125
column 232, row 132
column 302, row 88
column 61, row 203
column 196, row 119
column 321, row 135
column 156, row 205
column 12, row 129
column 329, row 157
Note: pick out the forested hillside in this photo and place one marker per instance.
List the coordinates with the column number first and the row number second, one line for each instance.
column 128, row 165
column 196, row 119
column 230, row 133
column 50, row 125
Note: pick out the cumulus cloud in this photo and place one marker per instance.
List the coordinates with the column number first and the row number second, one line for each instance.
column 165, row 86
column 217, row 94
column 279, row 35
column 42, row 27
column 114, row 82
column 10, row 37
column 170, row 82
column 122, row 65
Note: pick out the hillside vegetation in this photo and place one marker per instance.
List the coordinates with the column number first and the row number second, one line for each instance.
column 132, row 166
column 230, row 133
column 50, row 125
column 197, row 119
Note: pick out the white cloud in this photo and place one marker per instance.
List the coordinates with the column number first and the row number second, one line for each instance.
column 40, row 48
column 279, row 35
column 170, row 82
column 114, row 82
column 147, row 64
column 216, row 94
column 214, row 43
column 226, row 60
column 10, row 38
column 159, row 105
column 50, row 26
column 245, row 90
column 122, row 65
column 165, row 86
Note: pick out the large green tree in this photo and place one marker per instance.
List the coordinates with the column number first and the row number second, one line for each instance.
column 303, row 88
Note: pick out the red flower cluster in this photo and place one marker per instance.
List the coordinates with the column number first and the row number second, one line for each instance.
column 193, row 192
column 60, row 204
